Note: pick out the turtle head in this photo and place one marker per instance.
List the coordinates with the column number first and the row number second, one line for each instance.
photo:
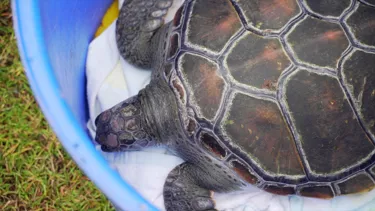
column 147, row 119
column 123, row 127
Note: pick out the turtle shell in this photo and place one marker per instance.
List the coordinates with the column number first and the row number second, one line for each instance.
column 282, row 91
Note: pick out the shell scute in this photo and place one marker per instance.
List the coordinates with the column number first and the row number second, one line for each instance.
column 174, row 45
column 280, row 190
column 362, row 24
column 326, row 123
column 259, row 129
column 318, row 42
column 268, row 14
column 209, row 19
column 259, row 67
column 212, row 145
column 356, row 184
column 205, row 82
column 178, row 17
column 328, row 7
column 317, row 191
column 361, row 85
column 244, row 173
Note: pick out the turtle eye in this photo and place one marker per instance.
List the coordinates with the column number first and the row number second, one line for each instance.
column 212, row 145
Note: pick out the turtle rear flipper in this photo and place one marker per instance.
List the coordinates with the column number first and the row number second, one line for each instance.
column 138, row 29
column 182, row 191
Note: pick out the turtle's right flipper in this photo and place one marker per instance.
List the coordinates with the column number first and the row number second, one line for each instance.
column 182, row 190
column 138, row 22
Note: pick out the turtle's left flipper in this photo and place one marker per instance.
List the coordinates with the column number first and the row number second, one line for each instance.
column 136, row 29
column 182, row 191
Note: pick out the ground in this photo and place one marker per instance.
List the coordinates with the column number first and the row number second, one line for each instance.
column 35, row 171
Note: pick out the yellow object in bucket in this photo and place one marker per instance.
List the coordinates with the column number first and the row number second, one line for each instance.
column 108, row 18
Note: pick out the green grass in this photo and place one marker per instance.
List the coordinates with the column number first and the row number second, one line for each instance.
column 35, row 171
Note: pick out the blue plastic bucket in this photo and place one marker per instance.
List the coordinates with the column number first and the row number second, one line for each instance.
column 53, row 37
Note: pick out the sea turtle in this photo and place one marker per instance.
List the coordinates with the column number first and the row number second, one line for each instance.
column 278, row 94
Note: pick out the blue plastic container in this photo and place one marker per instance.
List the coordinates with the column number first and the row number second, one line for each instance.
column 53, row 37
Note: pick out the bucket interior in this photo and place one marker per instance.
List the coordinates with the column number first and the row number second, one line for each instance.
column 53, row 38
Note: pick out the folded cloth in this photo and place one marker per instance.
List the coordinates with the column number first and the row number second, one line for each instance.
column 110, row 80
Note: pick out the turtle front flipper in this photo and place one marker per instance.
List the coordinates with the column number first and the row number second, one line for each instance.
column 182, row 190
column 137, row 29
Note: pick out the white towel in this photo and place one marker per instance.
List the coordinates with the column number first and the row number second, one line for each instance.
column 111, row 80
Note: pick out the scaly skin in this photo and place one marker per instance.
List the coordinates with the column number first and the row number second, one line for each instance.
column 138, row 22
